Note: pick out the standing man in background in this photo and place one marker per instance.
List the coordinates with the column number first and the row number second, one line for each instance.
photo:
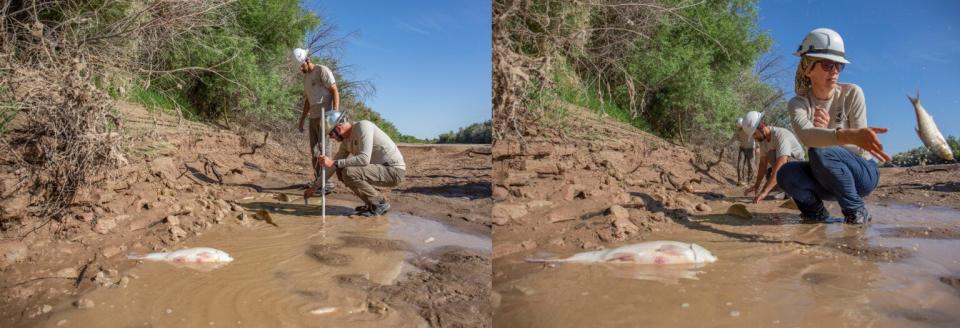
column 321, row 100
column 745, row 156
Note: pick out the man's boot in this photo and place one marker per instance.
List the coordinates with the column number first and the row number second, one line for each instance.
column 857, row 216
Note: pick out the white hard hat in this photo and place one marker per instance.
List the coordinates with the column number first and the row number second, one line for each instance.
column 823, row 43
column 739, row 121
column 332, row 117
column 750, row 121
column 300, row 55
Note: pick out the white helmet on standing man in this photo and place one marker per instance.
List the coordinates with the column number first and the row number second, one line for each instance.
column 823, row 43
column 299, row 55
column 750, row 121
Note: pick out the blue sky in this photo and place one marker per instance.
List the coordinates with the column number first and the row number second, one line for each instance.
column 429, row 60
column 895, row 47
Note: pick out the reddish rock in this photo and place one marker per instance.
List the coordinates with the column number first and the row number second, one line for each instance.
column 506, row 248
column 12, row 252
column 112, row 251
column 67, row 273
column 539, row 204
column 500, row 193
column 85, row 217
column 528, row 244
column 503, row 213
column 571, row 191
column 624, row 227
column 84, row 303
column 177, row 233
column 519, row 178
column 104, row 226
column 618, row 212
column 172, row 220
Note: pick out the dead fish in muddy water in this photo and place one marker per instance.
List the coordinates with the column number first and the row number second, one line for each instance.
column 653, row 252
column 201, row 255
column 928, row 132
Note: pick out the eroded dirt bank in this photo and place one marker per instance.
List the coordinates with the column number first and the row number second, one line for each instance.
column 186, row 180
column 604, row 185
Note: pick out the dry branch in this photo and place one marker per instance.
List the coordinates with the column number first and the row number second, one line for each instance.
column 53, row 53
column 253, row 149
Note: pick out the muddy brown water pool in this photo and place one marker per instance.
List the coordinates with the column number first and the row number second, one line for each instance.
column 284, row 276
column 797, row 275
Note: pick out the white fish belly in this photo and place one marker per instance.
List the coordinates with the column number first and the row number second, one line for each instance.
column 655, row 252
column 191, row 255
column 931, row 136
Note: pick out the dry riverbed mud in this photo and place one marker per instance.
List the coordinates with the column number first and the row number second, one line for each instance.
column 603, row 185
column 189, row 185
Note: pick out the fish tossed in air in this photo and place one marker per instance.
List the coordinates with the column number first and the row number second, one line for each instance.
column 928, row 132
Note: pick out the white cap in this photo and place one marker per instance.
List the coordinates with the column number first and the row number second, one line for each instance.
column 300, row 55
column 823, row 43
column 332, row 118
column 751, row 121
column 739, row 121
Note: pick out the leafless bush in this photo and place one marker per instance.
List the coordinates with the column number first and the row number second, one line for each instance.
column 64, row 139
column 529, row 37
column 53, row 53
column 516, row 74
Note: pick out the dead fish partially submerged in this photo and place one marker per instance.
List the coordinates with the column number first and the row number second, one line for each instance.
column 201, row 255
column 653, row 252
column 928, row 132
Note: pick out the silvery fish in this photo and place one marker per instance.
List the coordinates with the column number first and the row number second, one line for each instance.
column 653, row 252
column 928, row 132
column 200, row 255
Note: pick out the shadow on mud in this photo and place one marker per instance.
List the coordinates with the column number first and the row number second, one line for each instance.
column 202, row 177
column 471, row 190
column 682, row 217
column 298, row 209
column 940, row 186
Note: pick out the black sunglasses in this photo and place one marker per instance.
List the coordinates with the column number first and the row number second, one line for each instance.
column 828, row 66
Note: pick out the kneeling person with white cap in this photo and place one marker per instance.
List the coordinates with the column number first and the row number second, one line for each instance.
column 367, row 158
column 777, row 147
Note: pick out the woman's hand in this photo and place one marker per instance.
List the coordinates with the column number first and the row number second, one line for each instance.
column 865, row 138
column 760, row 196
column 820, row 117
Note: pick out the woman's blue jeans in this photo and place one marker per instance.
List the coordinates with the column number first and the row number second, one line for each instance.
column 832, row 173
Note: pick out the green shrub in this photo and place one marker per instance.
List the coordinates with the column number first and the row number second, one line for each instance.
column 153, row 99
column 476, row 133
column 923, row 155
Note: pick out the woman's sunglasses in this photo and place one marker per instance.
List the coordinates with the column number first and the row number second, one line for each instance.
column 828, row 66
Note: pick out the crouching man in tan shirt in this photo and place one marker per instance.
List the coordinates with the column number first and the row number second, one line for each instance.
column 367, row 159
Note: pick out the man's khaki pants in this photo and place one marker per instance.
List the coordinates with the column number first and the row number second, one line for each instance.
column 315, row 135
column 362, row 179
